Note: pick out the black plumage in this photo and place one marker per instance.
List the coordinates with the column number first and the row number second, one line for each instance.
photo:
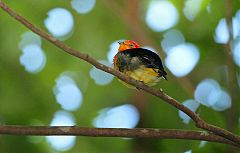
column 132, row 59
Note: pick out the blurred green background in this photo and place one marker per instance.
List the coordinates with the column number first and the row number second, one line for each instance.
column 42, row 85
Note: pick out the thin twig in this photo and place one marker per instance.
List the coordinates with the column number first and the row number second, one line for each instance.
column 198, row 121
column 111, row 132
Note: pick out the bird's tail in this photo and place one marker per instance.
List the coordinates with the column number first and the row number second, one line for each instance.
column 163, row 74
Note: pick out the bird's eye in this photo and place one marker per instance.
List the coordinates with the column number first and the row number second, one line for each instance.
column 131, row 45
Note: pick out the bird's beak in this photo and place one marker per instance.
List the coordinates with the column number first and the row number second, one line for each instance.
column 120, row 42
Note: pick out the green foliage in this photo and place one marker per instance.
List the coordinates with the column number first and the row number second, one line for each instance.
column 28, row 97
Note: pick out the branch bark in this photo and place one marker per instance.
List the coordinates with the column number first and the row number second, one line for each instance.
column 200, row 123
column 112, row 132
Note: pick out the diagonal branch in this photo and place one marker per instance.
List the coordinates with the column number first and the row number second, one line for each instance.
column 112, row 132
column 140, row 32
column 198, row 121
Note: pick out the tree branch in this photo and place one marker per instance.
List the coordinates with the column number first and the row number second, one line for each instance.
column 141, row 34
column 198, row 121
column 112, row 132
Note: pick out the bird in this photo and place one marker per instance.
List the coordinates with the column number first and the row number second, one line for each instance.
column 138, row 63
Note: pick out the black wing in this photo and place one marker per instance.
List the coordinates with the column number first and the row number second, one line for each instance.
column 148, row 58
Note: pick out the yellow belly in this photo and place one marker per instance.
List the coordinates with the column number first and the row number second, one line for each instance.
column 146, row 75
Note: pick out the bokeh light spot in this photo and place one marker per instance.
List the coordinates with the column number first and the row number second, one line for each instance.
column 209, row 8
column 161, row 15
column 210, row 94
column 192, row 105
column 214, row 95
column 33, row 58
column 236, row 25
column 62, row 143
column 83, row 6
column 221, row 32
column 63, row 118
column 59, row 22
column 236, row 36
column 192, row 8
column 202, row 144
column 181, row 59
column 113, row 49
column 172, row 38
column 29, row 38
column 236, row 52
column 203, row 90
column 100, row 77
column 223, row 102
column 124, row 116
column 67, row 93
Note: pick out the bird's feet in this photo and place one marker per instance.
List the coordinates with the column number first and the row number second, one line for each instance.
column 141, row 82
